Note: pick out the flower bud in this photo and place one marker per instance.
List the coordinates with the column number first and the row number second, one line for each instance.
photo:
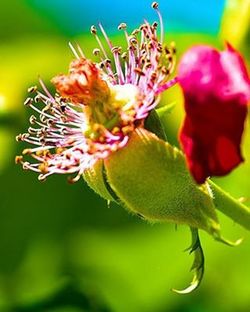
column 216, row 90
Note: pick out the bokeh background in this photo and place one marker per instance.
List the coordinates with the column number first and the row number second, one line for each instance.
column 62, row 248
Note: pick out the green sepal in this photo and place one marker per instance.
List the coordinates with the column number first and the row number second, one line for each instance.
column 151, row 179
column 153, row 124
column 198, row 263
column 96, row 179
column 166, row 109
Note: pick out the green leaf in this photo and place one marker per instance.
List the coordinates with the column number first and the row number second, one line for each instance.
column 150, row 177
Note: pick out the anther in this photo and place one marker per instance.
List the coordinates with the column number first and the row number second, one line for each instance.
column 122, row 26
column 124, row 55
column 143, row 26
column 18, row 159
column 32, row 119
column 62, row 100
column 96, row 52
column 24, row 136
column 159, row 49
column 153, row 76
column 73, row 180
column 42, row 118
column 42, row 141
column 164, row 70
column 115, row 130
column 115, row 49
column 155, row 25
column 107, row 62
column 93, row 30
column 28, row 101
column 59, row 150
column 139, row 71
column 102, row 65
column 170, row 58
column 37, row 98
column 131, row 48
column 127, row 129
column 19, row 137
column 135, row 32
column 132, row 40
column 31, row 130
column 32, row 89
column 49, row 122
column 173, row 47
column 148, row 65
column 155, row 5
column 43, row 167
column 26, row 151
column 41, row 178
column 63, row 107
column 26, row 165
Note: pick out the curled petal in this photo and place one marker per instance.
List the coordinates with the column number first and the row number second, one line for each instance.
column 216, row 90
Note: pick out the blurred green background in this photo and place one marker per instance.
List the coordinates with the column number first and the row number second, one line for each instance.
column 61, row 247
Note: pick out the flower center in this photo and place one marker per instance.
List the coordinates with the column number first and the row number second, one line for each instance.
column 105, row 106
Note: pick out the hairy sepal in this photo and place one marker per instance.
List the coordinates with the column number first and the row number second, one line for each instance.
column 150, row 178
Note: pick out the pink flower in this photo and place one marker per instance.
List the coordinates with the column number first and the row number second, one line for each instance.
column 216, row 89
column 98, row 104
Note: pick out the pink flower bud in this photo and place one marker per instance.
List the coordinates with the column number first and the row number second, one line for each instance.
column 216, row 89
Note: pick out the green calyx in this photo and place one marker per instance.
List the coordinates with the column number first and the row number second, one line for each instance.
column 149, row 177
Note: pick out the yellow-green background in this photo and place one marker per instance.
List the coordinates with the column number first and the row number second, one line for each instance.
column 61, row 247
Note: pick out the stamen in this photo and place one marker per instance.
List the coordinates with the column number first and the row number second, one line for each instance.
column 74, row 51
column 93, row 31
column 46, row 90
column 32, row 89
column 122, row 26
column 166, row 86
column 116, row 52
column 155, row 6
column 96, row 52
column 105, row 36
column 28, row 101
column 80, row 51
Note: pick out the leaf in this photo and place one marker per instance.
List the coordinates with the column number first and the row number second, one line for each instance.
column 198, row 263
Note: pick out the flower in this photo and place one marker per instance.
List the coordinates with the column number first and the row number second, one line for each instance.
column 98, row 104
column 101, row 124
column 216, row 90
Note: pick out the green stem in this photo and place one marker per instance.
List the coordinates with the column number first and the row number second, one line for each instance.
column 230, row 206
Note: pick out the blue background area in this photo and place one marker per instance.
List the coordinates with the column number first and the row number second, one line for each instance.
column 179, row 15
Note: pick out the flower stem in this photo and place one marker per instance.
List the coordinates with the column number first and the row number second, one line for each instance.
column 231, row 207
